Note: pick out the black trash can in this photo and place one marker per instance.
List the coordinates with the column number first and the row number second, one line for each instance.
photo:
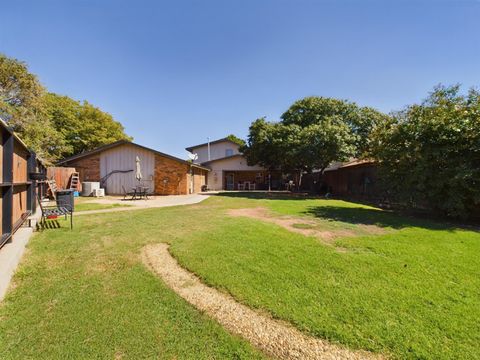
column 66, row 199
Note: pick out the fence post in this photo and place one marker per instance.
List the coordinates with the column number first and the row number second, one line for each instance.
column 32, row 188
column 7, row 186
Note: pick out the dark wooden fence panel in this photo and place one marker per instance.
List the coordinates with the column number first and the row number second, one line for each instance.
column 18, row 192
column 62, row 176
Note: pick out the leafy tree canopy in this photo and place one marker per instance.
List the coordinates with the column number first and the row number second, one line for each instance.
column 429, row 153
column 235, row 139
column 22, row 106
column 267, row 144
column 320, row 110
column 312, row 133
column 53, row 126
column 82, row 125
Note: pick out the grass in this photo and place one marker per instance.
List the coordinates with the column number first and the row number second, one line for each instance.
column 96, row 206
column 86, row 204
column 412, row 292
column 85, row 294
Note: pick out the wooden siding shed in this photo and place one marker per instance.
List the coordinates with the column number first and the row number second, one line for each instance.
column 114, row 166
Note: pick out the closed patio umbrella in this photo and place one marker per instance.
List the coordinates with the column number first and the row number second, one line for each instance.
column 138, row 171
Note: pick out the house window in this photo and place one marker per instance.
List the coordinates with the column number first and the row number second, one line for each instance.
column 228, row 152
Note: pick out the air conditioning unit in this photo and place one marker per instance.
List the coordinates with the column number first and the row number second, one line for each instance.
column 88, row 187
column 99, row 192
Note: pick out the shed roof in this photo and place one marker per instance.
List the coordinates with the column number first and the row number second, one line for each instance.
column 351, row 163
column 125, row 142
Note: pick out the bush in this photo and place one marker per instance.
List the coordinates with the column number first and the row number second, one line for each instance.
column 429, row 154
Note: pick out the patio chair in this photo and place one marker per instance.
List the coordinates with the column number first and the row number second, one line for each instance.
column 251, row 186
column 241, row 186
column 142, row 192
column 126, row 193
column 52, row 212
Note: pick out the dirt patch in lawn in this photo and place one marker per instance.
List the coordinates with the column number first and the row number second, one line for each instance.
column 307, row 227
column 276, row 338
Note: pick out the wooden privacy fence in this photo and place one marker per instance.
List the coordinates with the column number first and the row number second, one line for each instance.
column 356, row 179
column 18, row 192
column 62, row 176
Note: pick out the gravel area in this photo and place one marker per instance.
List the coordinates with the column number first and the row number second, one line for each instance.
column 276, row 338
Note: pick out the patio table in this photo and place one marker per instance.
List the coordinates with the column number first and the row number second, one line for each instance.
column 140, row 192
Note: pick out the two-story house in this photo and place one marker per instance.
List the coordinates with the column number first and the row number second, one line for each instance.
column 229, row 168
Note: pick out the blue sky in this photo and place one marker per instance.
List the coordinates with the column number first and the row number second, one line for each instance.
column 175, row 72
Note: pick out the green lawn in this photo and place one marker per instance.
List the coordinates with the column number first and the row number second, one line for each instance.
column 412, row 292
column 85, row 204
column 96, row 206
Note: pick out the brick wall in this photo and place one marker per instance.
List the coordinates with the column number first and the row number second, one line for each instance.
column 88, row 167
column 170, row 176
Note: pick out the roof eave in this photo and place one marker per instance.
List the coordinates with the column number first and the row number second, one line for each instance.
column 115, row 144
column 223, row 158
column 190, row 148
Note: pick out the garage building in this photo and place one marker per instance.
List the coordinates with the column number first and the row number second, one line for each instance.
column 114, row 166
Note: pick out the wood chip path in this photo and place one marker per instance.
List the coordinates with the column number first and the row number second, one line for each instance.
column 276, row 338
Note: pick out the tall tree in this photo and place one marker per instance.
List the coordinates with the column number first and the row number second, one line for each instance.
column 22, row 106
column 312, row 133
column 317, row 110
column 53, row 126
column 429, row 153
column 20, row 91
column 82, row 125
column 266, row 145
column 236, row 139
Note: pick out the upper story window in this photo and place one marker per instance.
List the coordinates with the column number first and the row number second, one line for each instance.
column 228, row 152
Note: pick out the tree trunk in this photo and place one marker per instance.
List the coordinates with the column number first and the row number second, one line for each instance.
column 299, row 184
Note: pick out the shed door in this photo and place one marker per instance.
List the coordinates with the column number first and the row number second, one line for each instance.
column 123, row 158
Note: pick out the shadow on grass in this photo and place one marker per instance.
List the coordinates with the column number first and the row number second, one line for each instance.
column 381, row 218
column 352, row 215
column 48, row 224
column 273, row 195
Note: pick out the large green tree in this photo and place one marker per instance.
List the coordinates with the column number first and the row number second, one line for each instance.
column 429, row 153
column 20, row 91
column 312, row 133
column 236, row 139
column 270, row 144
column 321, row 110
column 82, row 125
column 53, row 126
column 22, row 106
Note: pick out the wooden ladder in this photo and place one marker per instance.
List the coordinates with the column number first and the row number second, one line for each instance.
column 74, row 180
column 52, row 188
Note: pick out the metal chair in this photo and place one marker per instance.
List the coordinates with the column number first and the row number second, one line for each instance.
column 126, row 193
column 50, row 212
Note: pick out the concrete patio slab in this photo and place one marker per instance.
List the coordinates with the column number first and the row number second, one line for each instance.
column 153, row 202
column 11, row 254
